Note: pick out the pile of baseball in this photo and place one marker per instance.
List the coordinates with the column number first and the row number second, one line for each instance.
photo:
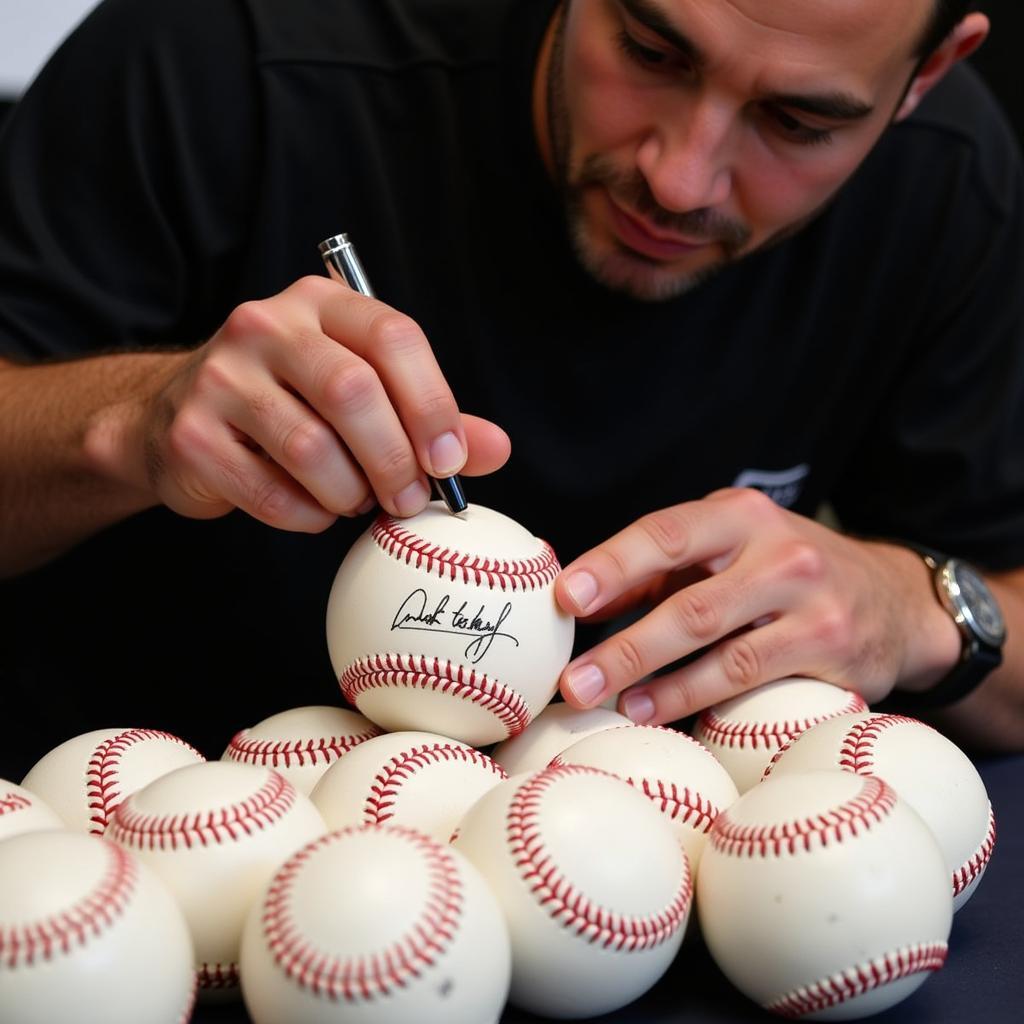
column 377, row 865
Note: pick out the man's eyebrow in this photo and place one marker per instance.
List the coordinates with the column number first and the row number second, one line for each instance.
column 653, row 17
column 835, row 106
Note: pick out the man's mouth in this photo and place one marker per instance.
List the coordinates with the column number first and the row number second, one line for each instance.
column 647, row 239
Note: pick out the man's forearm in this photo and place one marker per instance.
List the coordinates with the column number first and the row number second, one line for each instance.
column 59, row 424
column 992, row 717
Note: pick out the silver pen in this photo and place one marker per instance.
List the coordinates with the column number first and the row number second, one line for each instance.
column 339, row 256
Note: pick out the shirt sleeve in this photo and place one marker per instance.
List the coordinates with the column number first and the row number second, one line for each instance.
column 125, row 172
column 943, row 463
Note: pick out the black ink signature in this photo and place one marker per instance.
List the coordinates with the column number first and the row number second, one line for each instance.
column 414, row 613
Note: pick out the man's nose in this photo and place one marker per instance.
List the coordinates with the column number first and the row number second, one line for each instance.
column 686, row 160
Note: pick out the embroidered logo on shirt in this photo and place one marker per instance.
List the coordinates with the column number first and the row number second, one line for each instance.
column 782, row 486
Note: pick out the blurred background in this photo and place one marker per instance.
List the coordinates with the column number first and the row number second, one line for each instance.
column 30, row 30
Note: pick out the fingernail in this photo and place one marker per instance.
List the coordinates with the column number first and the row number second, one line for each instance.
column 639, row 707
column 586, row 683
column 413, row 499
column 582, row 588
column 447, row 455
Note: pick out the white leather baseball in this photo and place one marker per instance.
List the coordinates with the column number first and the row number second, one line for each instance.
column 376, row 925
column 558, row 726
column 88, row 934
column 215, row 833
column 593, row 882
column 23, row 811
column 301, row 743
column 928, row 770
column 745, row 732
column 448, row 624
column 824, row 896
column 416, row 779
column 86, row 777
column 682, row 778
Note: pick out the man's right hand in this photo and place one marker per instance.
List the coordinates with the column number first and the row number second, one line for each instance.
column 315, row 403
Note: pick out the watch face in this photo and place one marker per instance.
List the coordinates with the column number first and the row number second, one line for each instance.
column 975, row 602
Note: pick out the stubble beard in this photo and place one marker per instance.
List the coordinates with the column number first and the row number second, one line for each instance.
column 620, row 269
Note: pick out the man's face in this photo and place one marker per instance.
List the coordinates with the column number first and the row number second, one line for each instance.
column 688, row 133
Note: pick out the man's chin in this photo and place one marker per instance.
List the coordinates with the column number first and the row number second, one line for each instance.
column 628, row 273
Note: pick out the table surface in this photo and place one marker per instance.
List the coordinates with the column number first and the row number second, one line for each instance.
column 983, row 978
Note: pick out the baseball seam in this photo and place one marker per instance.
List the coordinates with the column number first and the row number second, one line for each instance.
column 103, row 774
column 217, row 976
column 295, row 753
column 856, row 753
column 516, row 574
column 859, row 979
column 725, row 733
column 141, row 831
column 372, row 975
column 11, row 802
column 388, row 781
column 870, row 806
column 976, row 863
column 22, row 945
column 381, row 671
column 557, row 895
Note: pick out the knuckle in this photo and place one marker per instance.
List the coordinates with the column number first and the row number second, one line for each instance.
column 249, row 320
column 834, row 629
column 213, row 377
column 754, row 503
column 269, row 501
column 394, row 334
column 696, row 616
column 186, row 437
column 667, row 529
column 307, row 444
column 740, row 663
column 395, row 460
column 678, row 694
column 311, row 287
column 352, row 385
column 801, row 560
column 432, row 403
column 629, row 658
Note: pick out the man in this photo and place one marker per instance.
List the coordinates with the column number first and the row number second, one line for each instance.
column 670, row 246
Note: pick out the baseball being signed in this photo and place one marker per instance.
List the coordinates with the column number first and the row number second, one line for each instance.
column 448, row 624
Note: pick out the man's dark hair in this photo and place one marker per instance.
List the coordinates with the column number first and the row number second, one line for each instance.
column 945, row 15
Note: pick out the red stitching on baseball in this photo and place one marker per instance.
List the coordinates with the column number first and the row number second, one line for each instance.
column 409, row 671
column 400, row 768
column 858, row 747
column 103, row 779
column 371, row 975
column 871, row 805
column 769, row 734
column 203, row 828
column 23, row 944
column 855, row 981
column 556, row 894
column 217, row 976
column 295, row 753
column 522, row 574
column 13, row 802
column 975, row 864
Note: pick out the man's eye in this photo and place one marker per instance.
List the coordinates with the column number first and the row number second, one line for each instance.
column 796, row 131
column 640, row 54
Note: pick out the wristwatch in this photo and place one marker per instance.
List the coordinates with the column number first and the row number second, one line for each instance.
column 973, row 607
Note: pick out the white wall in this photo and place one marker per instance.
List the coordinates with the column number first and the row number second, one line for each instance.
column 30, row 30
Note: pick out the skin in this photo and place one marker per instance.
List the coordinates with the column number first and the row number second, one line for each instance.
column 708, row 125
column 318, row 402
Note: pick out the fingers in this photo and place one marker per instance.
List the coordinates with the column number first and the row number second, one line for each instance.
column 684, row 535
column 221, row 469
column 690, row 619
column 489, row 446
column 401, row 356
column 753, row 657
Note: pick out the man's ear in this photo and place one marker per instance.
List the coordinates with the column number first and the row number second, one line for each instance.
column 965, row 38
